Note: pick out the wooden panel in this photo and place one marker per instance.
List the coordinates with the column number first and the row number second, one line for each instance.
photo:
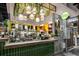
column 46, row 5
column 52, row 7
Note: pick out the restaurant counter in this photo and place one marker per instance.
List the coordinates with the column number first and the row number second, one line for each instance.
column 29, row 48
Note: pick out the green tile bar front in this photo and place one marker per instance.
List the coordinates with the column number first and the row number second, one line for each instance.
column 43, row 49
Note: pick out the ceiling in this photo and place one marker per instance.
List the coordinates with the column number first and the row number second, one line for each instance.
column 73, row 6
column 76, row 5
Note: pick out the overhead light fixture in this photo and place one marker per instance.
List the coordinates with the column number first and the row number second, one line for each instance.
column 26, row 27
column 28, row 9
column 25, row 17
column 42, row 18
column 34, row 10
column 37, row 19
column 20, row 17
column 42, row 12
column 31, row 16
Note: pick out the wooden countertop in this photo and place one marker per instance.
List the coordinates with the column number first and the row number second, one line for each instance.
column 27, row 43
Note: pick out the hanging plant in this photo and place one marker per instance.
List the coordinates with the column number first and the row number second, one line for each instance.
column 21, row 8
column 16, row 7
column 5, row 23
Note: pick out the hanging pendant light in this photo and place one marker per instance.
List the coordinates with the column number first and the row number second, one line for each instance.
column 37, row 19
column 20, row 17
column 31, row 16
column 25, row 17
column 28, row 9
column 34, row 11
column 42, row 12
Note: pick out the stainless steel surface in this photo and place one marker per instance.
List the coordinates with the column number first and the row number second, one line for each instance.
column 33, row 41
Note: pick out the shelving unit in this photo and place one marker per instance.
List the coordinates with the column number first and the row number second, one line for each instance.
column 50, row 28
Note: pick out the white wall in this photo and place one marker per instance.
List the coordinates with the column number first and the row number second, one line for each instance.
column 60, row 8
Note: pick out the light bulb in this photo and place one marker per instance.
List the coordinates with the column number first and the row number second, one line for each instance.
column 28, row 12
column 26, row 27
column 34, row 11
column 37, row 19
column 20, row 17
column 42, row 12
column 32, row 16
column 28, row 8
column 25, row 17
